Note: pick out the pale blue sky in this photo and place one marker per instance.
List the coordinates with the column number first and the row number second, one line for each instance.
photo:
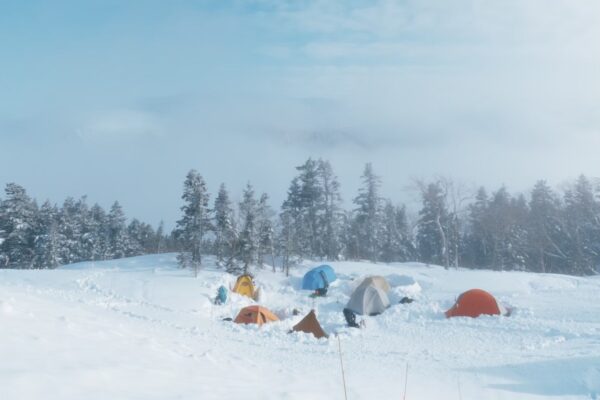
column 119, row 99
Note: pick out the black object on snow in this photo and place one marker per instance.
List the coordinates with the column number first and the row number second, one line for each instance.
column 350, row 318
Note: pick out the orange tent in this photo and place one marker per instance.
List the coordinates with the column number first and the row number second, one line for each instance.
column 474, row 303
column 310, row 324
column 255, row 315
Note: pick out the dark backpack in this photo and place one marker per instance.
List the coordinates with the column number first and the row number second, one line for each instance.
column 350, row 318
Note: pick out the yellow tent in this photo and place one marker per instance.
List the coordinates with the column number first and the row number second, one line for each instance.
column 244, row 286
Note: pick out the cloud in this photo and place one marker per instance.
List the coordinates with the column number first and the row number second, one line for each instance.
column 441, row 20
column 320, row 140
column 491, row 91
column 121, row 125
column 440, row 32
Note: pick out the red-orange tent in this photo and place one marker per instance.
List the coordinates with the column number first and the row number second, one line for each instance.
column 255, row 315
column 474, row 303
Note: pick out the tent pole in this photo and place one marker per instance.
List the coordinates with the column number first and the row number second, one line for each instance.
column 405, row 381
column 342, row 366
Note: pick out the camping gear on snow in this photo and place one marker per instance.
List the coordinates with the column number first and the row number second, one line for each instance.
column 221, row 295
column 406, row 300
column 368, row 300
column 310, row 324
column 255, row 315
column 319, row 292
column 377, row 281
column 475, row 302
column 244, row 285
column 318, row 279
column 350, row 318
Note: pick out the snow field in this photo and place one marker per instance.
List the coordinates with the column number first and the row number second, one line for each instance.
column 141, row 328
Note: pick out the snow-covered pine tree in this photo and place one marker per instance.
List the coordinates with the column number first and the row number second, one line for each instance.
column 195, row 222
column 118, row 238
column 138, row 237
column 290, row 227
column 517, row 253
column 368, row 214
column 350, row 236
column 49, row 244
column 84, row 223
column 311, row 217
column 249, row 234
column 507, row 217
column 478, row 247
column 148, row 238
column 95, row 241
column 390, row 238
column 332, row 214
column 498, row 211
column 224, row 226
column 457, row 195
column 408, row 251
column 159, row 243
column 582, row 227
column 395, row 242
column 545, row 229
column 433, row 226
column 266, row 232
column 285, row 243
column 70, row 228
column 17, row 222
column 311, row 208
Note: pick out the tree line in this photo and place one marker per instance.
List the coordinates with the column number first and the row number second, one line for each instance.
column 48, row 236
column 545, row 231
column 311, row 223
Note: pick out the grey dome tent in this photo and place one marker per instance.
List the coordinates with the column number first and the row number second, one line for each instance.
column 368, row 300
column 377, row 281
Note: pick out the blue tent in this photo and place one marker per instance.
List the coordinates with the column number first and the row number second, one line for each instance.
column 318, row 278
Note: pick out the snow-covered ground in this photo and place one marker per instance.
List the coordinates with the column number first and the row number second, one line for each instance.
column 141, row 328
